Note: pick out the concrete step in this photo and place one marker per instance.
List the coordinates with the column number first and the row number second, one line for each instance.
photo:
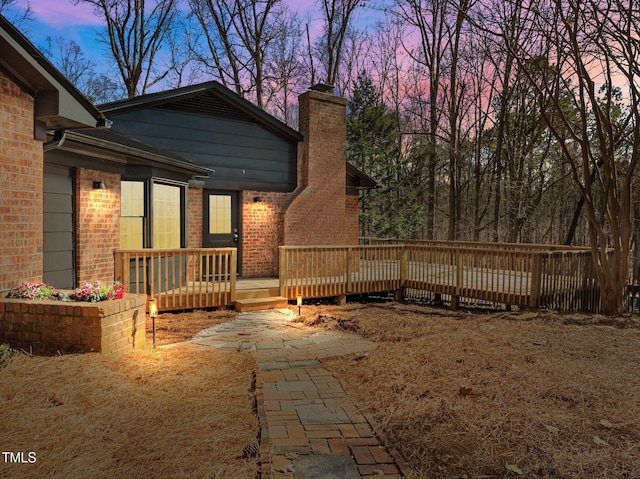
column 259, row 304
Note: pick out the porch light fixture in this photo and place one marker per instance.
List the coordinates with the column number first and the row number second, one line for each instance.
column 299, row 303
column 153, row 313
column 99, row 185
column 257, row 199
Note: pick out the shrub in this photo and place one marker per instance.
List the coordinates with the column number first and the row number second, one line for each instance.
column 33, row 291
column 6, row 355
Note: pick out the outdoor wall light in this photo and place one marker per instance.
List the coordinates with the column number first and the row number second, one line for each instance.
column 257, row 199
column 299, row 303
column 99, row 185
column 153, row 313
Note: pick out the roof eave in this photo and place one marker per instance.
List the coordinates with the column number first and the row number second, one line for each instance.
column 146, row 157
column 58, row 103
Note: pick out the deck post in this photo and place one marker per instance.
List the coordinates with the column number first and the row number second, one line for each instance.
column 349, row 286
column 233, row 274
column 282, row 273
column 455, row 297
column 536, row 280
column 403, row 258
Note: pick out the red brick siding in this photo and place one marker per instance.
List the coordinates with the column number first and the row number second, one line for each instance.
column 21, row 177
column 195, row 217
column 351, row 227
column 260, row 233
column 98, row 225
column 318, row 215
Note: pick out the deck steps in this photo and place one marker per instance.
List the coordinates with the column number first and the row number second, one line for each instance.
column 258, row 304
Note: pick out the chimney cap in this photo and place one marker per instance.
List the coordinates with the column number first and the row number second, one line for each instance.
column 323, row 87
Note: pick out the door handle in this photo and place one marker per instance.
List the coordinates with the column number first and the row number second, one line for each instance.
column 235, row 237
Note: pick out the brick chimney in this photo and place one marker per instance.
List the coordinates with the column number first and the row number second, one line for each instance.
column 316, row 214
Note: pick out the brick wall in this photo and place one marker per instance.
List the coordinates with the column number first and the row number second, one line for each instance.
column 317, row 216
column 260, row 233
column 195, row 217
column 352, row 224
column 49, row 327
column 98, row 225
column 21, row 177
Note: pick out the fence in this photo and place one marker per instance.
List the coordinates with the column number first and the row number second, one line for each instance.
column 179, row 278
column 526, row 276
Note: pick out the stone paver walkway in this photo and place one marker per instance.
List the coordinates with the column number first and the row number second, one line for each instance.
column 309, row 427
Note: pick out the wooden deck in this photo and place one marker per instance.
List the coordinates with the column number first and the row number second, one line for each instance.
column 561, row 279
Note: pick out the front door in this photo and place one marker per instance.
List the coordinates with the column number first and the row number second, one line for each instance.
column 221, row 226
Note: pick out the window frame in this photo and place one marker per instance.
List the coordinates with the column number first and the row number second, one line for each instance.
column 147, row 229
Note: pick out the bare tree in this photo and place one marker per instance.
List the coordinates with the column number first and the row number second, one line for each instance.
column 79, row 70
column 285, row 72
column 429, row 19
column 592, row 44
column 337, row 17
column 18, row 15
column 135, row 37
column 236, row 41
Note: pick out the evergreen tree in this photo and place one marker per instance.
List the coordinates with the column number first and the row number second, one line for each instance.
column 374, row 147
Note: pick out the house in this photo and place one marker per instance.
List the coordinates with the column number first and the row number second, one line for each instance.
column 192, row 167
column 272, row 185
column 55, row 149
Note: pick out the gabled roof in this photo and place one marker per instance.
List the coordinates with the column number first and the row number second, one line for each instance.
column 210, row 98
column 58, row 104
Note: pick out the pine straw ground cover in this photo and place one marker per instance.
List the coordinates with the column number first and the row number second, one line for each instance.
column 473, row 395
column 164, row 413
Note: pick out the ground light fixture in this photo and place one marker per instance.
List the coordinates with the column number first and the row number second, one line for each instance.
column 153, row 313
column 299, row 303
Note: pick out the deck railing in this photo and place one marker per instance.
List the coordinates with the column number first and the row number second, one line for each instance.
column 526, row 277
column 179, row 278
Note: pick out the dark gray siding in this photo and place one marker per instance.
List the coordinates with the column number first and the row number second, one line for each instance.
column 244, row 155
column 58, row 261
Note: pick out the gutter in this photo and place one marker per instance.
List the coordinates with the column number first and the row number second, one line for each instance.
column 58, row 139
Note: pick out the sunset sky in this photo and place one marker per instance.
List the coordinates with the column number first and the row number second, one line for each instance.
column 78, row 23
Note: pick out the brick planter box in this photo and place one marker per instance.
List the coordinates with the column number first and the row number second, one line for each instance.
column 49, row 327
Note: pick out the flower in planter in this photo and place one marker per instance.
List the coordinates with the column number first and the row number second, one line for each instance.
column 33, row 291
column 97, row 291
column 91, row 292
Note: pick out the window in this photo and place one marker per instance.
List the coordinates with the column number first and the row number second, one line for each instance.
column 167, row 217
column 219, row 214
column 132, row 215
column 158, row 225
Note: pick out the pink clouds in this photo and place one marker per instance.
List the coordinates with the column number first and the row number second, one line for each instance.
column 62, row 13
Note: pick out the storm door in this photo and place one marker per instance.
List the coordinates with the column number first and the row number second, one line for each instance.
column 221, row 226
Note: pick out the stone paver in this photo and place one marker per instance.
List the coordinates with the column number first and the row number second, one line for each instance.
column 310, row 429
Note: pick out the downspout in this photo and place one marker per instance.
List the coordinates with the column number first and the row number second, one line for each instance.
column 58, row 139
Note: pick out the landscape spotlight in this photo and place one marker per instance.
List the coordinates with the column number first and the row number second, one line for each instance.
column 153, row 313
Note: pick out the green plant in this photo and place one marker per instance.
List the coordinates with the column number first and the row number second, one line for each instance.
column 33, row 291
column 6, row 355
